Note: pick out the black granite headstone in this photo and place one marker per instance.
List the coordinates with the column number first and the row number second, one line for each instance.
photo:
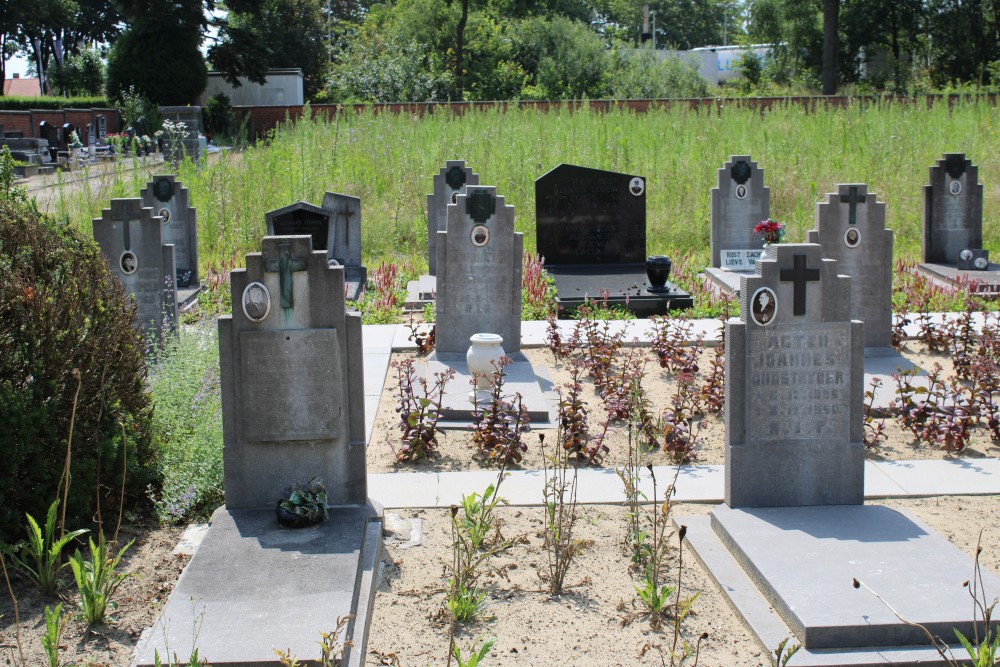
column 590, row 227
column 304, row 221
column 590, row 216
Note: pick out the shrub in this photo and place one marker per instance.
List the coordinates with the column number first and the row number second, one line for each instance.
column 219, row 119
column 10, row 103
column 68, row 337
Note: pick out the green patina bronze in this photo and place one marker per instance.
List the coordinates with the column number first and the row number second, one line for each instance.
column 285, row 265
column 954, row 164
column 741, row 172
column 853, row 199
column 163, row 189
column 480, row 206
column 455, row 177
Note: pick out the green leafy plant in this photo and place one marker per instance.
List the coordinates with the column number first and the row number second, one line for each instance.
column 55, row 622
column 560, row 505
column 419, row 413
column 96, row 578
column 783, row 653
column 499, row 421
column 331, row 648
column 306, row 500
column 476, row 655
column 40, row 557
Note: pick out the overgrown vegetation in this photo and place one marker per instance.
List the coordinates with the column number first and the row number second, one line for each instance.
column 70, row 355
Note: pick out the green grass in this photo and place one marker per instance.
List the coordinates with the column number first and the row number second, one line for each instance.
column 388, row 160
column 187, row 423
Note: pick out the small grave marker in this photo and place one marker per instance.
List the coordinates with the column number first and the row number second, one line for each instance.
column 449, row 182
column 169, row 200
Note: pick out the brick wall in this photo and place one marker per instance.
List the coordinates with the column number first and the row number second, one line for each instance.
column 260, row 120
column 27, row 121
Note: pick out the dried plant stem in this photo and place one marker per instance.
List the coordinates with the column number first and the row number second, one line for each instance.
column 121, row 497
column 69, row 454
column 17, row 618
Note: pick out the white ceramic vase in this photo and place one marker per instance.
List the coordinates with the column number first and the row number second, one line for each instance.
column 483, row 356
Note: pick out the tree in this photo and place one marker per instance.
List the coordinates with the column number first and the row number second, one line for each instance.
column 163, row 65
column 259, row 35
column 831, row 16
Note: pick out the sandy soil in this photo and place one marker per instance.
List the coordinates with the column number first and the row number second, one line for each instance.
column 456, row 450
column 597, row 621
column 139, row 599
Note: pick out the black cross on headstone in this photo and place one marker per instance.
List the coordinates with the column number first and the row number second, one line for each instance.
column 799, row 275
column 285, row 265
column 853, row 199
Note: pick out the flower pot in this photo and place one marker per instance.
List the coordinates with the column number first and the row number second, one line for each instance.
column 657, row 271
column 483, row 356
column 290, row 519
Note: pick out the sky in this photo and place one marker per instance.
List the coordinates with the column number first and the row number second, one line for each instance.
column 17, row 65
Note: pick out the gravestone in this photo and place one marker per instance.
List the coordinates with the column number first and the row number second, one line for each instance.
column 291, row 364
column 479, row 259
column 334, row 227
column 448, row 184
column 794, row 531
column 794, row 375
column 952, row 247
column 850, row 225
column 191, row 117
column 479, row 283
column 738, row 202
column 91, row 135
column 591, row 230
column 102, row 129
column 131, row 238
column 170, row 201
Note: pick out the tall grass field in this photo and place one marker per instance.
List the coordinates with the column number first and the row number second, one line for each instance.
column 388, row 160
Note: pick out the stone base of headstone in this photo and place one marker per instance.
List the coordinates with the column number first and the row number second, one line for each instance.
column 355, row 279
column 800, row 563
column 725, row 281
column 534, row 384
column 981, row 283
column 625, row 285
column 187, row 298
column 420, row 292
column 253, row 587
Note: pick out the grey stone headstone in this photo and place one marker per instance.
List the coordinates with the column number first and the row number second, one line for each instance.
column 953, row 210
column 794, row 385
column 448, row 184
column 131, row 238
column 739, row 202
column 102, row 128
column 170, row 201
column 292, row 378
column 345, row 228
column 479, row 283
column 191, row 117
column 303, row 218
column 850, row 225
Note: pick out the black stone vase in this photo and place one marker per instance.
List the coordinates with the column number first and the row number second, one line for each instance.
column 657, row 271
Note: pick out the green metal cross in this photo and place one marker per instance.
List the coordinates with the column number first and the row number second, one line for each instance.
column 853, row 199
column 285, row 265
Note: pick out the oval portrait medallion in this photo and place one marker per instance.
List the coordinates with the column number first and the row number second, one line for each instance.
column 852, row 237
column 480, row 235
column 256, row 301
column 128, row 262
column 741, row 191
column 165, row 214
column 763, row 306
column 955, row 187
column 637, row 186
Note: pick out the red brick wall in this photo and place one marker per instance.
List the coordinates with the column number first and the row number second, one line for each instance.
column 27, row 121
column 263, row 119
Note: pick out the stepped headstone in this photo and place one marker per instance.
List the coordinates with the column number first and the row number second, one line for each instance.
column 953, row 228
column 335, row 227
column 591, row 230
column 449, row 182
column 794, row 385
column 479, row 256
column 850, row 225
column 291, row 359
column 794, row 531
column 739, row 201
column 292, row 409
column 102, row 129
column 131, row 238
column 169, row 199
